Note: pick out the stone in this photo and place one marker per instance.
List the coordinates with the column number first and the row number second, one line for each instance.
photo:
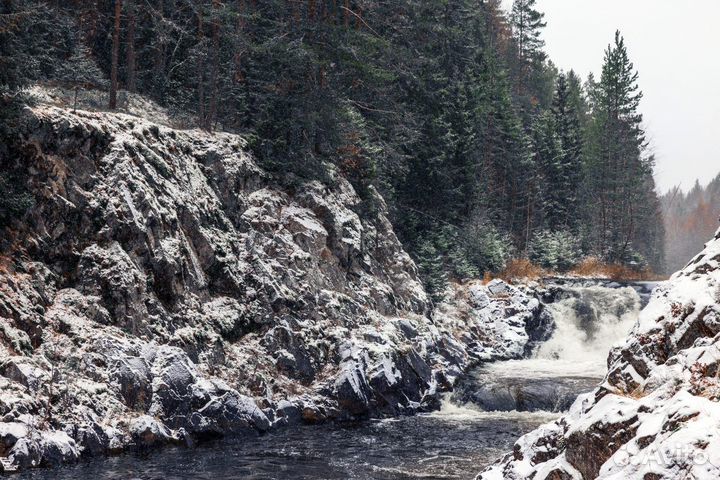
column 10, row 433
column 229, row 413
column 147, row 432
column 352, row 389
column 24, row 373
column 133, row 376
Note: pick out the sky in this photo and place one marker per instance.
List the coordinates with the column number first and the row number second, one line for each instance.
column 673, row 45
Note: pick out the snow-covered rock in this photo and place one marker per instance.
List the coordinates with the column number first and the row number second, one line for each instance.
column 504, row 322
column 656, row 415
column 164, row 288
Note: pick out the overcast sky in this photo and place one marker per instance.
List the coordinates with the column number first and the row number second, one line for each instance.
column 674, row 47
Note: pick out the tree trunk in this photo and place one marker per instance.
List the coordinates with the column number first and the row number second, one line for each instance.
column 131, row 87
column 159, row 50
column 215, row 66
column 115, row 52
column 312, row 7
column 346, row 12
column 239, row 77
column 295, row 13
column 200, row 73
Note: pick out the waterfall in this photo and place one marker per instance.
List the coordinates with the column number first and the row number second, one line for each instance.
column 589, row 320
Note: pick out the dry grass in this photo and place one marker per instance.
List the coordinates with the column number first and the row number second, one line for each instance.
column 520, row 269
column 593, row 267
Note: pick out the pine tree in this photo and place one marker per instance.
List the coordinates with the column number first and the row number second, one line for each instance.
column 568, row 166
column 533, row 77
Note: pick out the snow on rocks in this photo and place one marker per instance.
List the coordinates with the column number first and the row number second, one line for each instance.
column 503, row 322
column 165, row 289
column 656, row 415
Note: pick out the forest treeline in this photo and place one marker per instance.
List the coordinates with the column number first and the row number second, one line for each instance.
column 483, row 150
column 690, row 220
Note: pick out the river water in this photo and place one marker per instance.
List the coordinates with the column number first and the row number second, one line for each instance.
column 449, row 444
column 479, row 422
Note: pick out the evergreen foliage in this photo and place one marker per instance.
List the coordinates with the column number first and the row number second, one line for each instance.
column 622, row 202
column 556, row 250
column 15, row 198
column 450, row 108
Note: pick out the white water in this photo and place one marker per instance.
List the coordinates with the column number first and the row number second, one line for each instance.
column 452, row 412
column 589, row 321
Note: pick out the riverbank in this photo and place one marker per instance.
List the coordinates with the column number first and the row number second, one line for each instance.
column 489, row 408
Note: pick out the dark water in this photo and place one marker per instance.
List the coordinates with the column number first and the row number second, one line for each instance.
column 454, row 443
column 526, row 394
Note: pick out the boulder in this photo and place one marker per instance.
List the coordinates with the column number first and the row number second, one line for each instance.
column 10, row 433
column 229, row 413
column 147, row 432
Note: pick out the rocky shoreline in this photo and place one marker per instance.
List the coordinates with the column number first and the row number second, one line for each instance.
column 656, row 414
column 165, row 289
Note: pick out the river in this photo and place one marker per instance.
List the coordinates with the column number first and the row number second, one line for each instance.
column 493, row 406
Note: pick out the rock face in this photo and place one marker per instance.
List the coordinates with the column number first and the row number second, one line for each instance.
column 165, row 289
column 656, row 415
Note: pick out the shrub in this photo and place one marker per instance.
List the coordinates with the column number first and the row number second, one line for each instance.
column 14, row 200
column 432, row 271
column 595, row 268
column 485, row 247
column 590, row 267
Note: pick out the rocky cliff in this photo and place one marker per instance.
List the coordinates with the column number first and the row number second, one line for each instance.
column 165, row 289
column 656, row 415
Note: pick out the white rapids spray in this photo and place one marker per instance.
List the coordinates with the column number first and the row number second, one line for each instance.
column 588, row 322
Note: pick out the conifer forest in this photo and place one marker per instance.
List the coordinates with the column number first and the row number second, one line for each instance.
column 483, row 150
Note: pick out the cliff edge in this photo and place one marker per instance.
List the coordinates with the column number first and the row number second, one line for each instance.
column 165, row 289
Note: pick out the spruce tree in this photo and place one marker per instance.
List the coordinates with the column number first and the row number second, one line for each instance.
column 549, row 160
column 619, row 172
column 569, row 163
